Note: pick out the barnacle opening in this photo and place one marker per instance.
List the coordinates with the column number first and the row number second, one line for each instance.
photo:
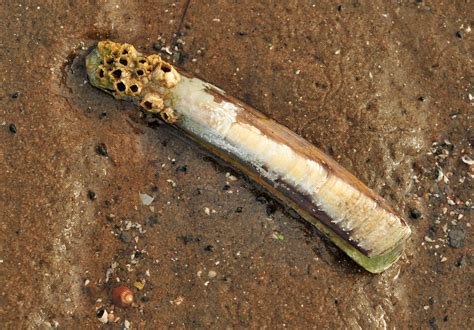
column 100, row 72
column 152, row 102
column 117, row 73
column 109, row 60
column 168, row 115
column 121, row 87
column 166, row 67
column 124, row 61
column 135, row 89
column 147, row 105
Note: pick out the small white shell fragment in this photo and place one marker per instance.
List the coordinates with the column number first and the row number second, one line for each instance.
column 126, row 324
column 104, row 318
column 440, row 175
column 467, row 160
column 146, row 199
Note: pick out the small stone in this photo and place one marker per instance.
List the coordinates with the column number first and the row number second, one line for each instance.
column 102, row 150
column 460, row 262
column 138, row 254
column 238, row 209
column 209, row 248
column 151, row 221
column 16, row 95
column 212, row 274
column 146, row 199
column 278, row 236
column 182, row 169
column 12, row 128
column 111, row 317
column 459, row 34
column 125, row 237
column 456, row 237
column 139, row 285
column 262, row 199
column 92, row 196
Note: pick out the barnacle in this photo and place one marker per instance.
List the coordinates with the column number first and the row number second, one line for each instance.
column 125, row 73
column 168, row 115
column 152, row 102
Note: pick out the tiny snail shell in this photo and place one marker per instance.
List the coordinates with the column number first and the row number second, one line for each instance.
column 122, row 296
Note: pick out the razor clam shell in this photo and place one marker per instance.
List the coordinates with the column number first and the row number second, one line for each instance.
column 356, row 219
column 292, row 165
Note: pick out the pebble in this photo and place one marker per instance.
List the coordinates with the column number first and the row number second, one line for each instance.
column 91, row 195
column 212, row 274
column 151, row 221
column 182, row 169
column 125, row 237
column 456, row 237
column 102, row 150
column 12, row 128
column 146, row 199
column 16, row 95
column 209, row 248
column 139, row 285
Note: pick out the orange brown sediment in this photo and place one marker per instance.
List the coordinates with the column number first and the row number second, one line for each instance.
column 356, row 219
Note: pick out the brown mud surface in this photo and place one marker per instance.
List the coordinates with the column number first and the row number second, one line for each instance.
column 384, row 87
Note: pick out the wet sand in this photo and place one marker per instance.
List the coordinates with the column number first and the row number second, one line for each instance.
column 384, row 88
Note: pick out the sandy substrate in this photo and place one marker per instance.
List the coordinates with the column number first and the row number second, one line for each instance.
column 384, row 88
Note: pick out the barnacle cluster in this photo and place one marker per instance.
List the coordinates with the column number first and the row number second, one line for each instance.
column 122, row 71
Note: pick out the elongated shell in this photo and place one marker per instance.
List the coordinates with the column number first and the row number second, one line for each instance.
column 293, row 170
